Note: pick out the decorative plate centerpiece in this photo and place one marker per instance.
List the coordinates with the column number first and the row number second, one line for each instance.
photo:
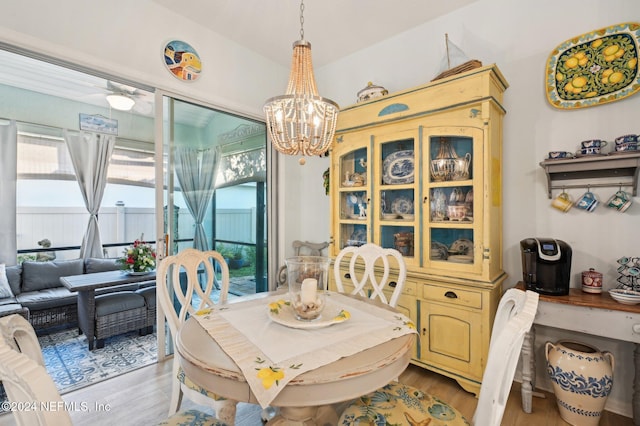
column 594, row 68
column 398, row 168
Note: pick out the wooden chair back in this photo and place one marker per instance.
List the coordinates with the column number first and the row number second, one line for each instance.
column 374, row 277
column 513, row 320
column 180, row 298
column 25, row 378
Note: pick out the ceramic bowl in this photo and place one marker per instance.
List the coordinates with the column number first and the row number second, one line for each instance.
column 408, row 216
column 389, row 216
column 626, row 297
column 457, row 212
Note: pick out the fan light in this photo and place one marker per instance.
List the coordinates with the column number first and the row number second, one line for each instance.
column 301, row 122
column 120, row 102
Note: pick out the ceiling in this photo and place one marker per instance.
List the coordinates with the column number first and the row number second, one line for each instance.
column 335, row 28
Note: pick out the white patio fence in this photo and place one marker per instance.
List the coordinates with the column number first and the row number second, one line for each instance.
column 65, row 226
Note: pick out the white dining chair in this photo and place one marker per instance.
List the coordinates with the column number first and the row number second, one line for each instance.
column 28, row 384
column 300, row 248
column 397, row 403
column 179, row 299
column 369, row 271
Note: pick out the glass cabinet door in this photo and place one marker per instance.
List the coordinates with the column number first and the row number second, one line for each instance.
column 352, row 203
column 395, row 193
column 452, row 237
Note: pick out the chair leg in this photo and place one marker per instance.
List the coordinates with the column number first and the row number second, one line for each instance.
column 176, row 397
column 226, row 411
column 99, row 343
column 176, row 391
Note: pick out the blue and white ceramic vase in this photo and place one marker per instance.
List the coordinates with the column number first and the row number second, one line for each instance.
column 582, row 379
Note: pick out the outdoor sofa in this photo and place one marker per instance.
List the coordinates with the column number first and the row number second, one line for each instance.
column 39, row 296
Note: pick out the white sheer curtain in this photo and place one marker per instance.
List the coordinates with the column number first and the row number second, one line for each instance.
column 8, row 176
column 90, row 154
column 196, row 170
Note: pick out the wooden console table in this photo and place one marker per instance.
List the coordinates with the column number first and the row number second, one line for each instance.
column 595, row 314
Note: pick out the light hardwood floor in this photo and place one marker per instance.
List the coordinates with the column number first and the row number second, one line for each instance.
column 142, row 396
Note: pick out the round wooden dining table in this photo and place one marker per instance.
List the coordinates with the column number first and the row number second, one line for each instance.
column 306, row 400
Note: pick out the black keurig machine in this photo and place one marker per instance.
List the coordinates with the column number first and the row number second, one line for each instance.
column 546, row 265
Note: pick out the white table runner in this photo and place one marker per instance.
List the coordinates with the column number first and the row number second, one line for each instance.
column 270, row 355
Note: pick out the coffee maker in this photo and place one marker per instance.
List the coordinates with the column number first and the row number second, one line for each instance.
column 546, row 265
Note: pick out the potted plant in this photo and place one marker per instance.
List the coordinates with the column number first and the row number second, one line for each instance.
column 237, row 259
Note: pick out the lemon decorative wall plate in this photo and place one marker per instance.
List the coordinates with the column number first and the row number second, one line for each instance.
column 595, row 68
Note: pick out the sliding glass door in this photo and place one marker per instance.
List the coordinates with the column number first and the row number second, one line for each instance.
column 215, row 188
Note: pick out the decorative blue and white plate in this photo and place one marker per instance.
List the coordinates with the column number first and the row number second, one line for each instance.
column 357, row 238
column 402, row 205
column 397, row 168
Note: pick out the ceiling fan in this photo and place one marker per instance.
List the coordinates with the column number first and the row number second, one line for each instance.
column 123, row 97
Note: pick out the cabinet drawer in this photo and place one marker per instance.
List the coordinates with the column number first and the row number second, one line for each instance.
column 456, row 296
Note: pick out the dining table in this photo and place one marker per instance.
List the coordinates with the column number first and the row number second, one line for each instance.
column 254, row 350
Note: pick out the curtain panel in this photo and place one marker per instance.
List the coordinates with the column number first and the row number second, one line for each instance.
column 196, row 170
column 8, row 177
column 90, row 153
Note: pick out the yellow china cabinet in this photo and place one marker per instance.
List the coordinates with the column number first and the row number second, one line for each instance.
column 420, row 171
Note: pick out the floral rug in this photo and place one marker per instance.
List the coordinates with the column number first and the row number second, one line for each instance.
column 72, row 366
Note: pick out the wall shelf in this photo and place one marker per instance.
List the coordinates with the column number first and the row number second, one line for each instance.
column 623, row 166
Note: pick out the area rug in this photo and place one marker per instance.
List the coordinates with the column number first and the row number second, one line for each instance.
column 72, row 365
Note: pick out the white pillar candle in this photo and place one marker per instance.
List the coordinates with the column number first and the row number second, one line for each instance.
column 308, row 291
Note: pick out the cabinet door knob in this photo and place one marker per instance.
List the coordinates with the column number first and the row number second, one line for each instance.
column 424, row 331
column 347, row 275
column 424, row 200
column 451, row 295
column 393, row 284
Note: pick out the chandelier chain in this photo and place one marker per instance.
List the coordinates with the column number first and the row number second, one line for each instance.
column 302, row 20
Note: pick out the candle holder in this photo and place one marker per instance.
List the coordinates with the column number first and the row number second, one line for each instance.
column 307, row 277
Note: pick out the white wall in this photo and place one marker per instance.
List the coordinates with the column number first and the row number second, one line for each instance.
column 516, row 35
column 519, row 36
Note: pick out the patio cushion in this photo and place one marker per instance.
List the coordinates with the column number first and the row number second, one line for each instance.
column 14, row 276
column 149, row 294
column 44, row 275
column 5, row 288
column 47, row 298
column 93, row 264
column 111, row 303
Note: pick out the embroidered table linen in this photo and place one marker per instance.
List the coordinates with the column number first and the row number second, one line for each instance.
column 270, row 355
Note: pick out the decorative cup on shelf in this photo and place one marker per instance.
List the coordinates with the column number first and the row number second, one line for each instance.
column 620, row 201
column 589, row 151
column 307, row 277
column 555, row 155
column 626, row 139
column 562, row 202
column 588, row 202
column 593, row 143
column 627, row 146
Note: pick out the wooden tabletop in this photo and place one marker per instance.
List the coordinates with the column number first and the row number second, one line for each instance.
column 102, row 279
column 577, row 297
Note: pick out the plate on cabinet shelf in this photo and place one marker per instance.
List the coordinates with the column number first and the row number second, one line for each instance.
column 398, row 168
column 357, row 238
column 402, row 205
column 461, row 246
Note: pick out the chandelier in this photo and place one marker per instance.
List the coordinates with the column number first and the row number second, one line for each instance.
column 301, row 122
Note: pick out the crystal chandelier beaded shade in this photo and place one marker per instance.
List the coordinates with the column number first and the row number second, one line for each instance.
column 301, row 122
